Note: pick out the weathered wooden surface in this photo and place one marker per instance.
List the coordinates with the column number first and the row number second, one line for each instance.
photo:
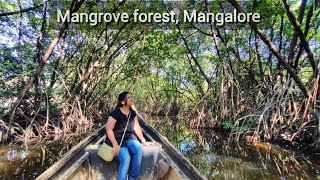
column 160, row 160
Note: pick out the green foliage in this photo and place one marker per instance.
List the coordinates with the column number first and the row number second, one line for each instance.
column 227, row 124
column 165, row 67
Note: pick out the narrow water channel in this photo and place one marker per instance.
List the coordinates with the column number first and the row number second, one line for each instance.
column 211, row 153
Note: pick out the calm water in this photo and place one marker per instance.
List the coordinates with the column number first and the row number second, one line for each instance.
column 18, row 162
column 211, row 153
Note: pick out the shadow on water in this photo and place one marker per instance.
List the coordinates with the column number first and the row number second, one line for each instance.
column 216, row 158
column 18, row 163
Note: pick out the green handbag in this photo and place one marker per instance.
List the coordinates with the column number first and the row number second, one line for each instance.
column 105, row 151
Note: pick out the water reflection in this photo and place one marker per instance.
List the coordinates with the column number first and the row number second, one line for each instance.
column 211, row 153
column 18, row 163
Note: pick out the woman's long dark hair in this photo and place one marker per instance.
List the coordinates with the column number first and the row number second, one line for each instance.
column 122, row 97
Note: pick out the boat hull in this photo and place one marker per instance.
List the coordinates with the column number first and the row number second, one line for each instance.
column 160, row 160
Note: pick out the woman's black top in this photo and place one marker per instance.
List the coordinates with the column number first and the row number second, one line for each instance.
column 121, row 125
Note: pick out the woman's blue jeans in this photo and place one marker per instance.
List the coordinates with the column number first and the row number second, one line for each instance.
column 130, row 156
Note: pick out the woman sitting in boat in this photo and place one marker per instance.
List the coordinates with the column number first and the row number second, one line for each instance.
column 130, row 152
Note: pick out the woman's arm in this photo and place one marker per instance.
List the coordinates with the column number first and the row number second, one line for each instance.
column 109, row 129
column 137, row 130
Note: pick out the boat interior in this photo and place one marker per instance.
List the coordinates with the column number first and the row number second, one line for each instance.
column 159, row 161
column 155, row 165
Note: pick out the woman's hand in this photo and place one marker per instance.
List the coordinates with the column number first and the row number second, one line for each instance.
column 147, row 143
column 116, row 149
column 144, row 142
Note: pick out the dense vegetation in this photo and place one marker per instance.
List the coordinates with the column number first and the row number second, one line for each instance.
column 256, row 79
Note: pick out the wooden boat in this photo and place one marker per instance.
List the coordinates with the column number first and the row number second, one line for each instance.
column 160, row 160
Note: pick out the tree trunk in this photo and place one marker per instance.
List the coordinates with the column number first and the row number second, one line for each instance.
column 56, row 65
column 279, row 70
column 23, row 10
column 301, row 35
column 306, row 30
column 259, row 59
column 40, row 67
column 273, row 49
column 195, row 59
column 295, row 34
column 38, row 56
column 270, row 56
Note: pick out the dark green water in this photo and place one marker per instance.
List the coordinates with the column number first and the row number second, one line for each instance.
column 211, row 153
